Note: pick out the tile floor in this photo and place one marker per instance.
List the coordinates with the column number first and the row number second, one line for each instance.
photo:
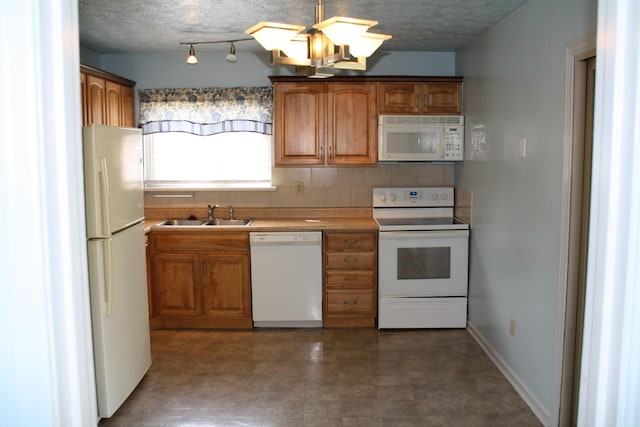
column 321, row 377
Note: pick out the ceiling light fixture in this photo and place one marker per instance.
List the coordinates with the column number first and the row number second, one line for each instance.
column 231, row 56
column 191, row 59
column 338, row 42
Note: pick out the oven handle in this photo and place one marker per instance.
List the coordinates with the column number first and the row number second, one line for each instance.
column 384, row 235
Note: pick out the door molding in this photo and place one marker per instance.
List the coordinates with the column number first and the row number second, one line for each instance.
column 576, row 52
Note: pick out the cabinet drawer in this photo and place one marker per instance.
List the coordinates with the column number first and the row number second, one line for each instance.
column 201, row 242
column 350, row 241
column 341, row 278
column 351, row 301
column 344, row 260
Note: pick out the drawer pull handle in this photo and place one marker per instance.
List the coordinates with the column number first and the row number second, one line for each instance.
column 350, row 278
column 351, row 260
column 351, row 240
column 351, row 302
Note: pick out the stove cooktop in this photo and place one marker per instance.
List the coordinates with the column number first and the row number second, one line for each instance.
column 420, row 224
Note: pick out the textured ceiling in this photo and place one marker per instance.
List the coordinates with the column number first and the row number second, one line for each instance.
column 137, row 26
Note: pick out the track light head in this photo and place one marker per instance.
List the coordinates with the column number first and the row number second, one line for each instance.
column 231, row 56
column 191, row 59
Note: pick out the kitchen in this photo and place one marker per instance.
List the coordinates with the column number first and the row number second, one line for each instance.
column 540, row 338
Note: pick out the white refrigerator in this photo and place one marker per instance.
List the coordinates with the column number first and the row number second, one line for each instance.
column 117, row 261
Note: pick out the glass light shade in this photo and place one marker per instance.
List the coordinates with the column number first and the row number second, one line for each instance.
column 231, row 56
column 273, row 35
column 366, row 44
column 191, row 59
column 342, row 30
column 297, row 47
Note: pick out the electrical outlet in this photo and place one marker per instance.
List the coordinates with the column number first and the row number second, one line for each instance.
column 299, row 188
column 512, row 327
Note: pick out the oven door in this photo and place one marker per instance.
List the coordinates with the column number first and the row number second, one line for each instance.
column 423, row 263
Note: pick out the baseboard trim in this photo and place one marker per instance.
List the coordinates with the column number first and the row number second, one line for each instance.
column 536, row 406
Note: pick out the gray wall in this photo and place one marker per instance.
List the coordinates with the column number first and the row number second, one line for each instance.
column 514, row 88
column 171, row 70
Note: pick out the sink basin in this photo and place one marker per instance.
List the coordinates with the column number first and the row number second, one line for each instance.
column 182, row 222
column 202, row 222
column 219, row 222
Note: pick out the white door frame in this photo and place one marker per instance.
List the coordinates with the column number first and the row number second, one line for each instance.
column 576, row 51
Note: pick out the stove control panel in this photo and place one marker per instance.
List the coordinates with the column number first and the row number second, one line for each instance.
column 412, row 196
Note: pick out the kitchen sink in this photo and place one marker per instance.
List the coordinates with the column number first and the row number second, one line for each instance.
column 182, row 222
column 219, row 222
column 204, row 222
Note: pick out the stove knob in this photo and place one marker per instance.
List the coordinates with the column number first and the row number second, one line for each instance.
column 392, row 197
column 444, row 196
column 434, row 196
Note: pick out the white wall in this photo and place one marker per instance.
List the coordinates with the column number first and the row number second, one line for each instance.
column 514, row 88
column 46, row 360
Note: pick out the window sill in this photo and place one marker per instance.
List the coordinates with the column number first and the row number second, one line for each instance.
column 188, row 191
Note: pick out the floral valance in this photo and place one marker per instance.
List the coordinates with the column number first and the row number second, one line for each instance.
column 206, row 111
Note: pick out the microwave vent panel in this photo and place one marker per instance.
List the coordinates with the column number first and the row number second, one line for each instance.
column 421, row 120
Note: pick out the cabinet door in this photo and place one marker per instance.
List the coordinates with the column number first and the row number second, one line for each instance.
column 113, row 103
column 442, row 98
column 128, row 118
column 176, row 278
column 83, row 98
column 299, row 117
column 398, row 98
column 351, row 124
column 95, row 100
column 225, row 286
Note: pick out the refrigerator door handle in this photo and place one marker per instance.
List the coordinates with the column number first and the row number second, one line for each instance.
column 108, row 291
column 104, row 188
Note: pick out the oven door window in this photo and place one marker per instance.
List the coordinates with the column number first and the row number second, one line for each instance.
column 424, row 263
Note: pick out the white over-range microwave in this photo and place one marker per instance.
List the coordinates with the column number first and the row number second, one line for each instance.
column 420, row 138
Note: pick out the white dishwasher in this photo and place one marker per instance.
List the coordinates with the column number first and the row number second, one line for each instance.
column 286, row 279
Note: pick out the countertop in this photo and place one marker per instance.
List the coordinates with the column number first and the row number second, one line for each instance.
column 268, row 219
column 278, row 224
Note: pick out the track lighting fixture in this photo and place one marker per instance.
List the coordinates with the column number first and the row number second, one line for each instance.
column 231, row 56
column 191, row 59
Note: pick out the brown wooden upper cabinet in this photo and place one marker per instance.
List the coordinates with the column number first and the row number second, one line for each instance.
column 325, row 123
column 334, row 122
column 440, row 98
column 107, row 99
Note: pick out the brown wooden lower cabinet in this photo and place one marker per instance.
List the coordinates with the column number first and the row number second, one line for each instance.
column 201, row 280
column 350, row 297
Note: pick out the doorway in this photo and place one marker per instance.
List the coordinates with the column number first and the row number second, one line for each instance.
column 578, row 194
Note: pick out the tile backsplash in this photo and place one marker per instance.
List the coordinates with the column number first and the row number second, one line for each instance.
column 345, row 187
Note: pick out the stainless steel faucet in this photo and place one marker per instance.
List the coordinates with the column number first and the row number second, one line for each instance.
column 230, row 212
column 211, row 208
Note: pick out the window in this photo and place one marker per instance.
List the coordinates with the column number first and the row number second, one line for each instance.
column 207, row 138
column 177, row 160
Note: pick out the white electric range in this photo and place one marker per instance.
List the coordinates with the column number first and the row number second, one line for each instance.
column 422, row 258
